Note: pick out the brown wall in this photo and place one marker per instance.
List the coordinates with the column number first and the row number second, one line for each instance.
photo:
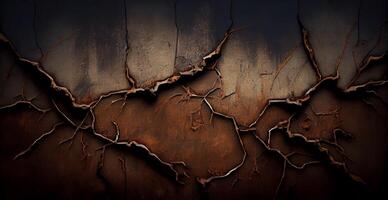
column 193, row 99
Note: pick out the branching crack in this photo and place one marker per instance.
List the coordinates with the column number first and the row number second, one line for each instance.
column 208, row 63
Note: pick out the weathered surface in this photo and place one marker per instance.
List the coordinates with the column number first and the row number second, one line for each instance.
column 193, row 99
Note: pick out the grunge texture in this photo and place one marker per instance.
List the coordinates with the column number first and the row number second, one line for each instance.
column 193, row 99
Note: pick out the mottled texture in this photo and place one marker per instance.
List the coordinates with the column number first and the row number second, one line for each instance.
column 193, row 99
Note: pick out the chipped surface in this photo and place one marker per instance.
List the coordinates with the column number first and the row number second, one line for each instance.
column 193, row 99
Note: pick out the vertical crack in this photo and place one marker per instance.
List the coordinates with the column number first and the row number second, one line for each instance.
column 130, row 79
column 124, row 169
column 177, row 32
column 100, row 167
column 307, row 45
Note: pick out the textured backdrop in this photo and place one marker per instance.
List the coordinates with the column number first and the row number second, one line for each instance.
column 193, row 99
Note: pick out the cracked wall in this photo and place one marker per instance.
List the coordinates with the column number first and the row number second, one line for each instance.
column 193, row 99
